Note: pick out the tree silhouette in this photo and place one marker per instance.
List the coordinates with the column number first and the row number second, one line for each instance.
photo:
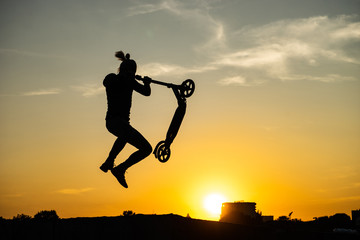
column 128, row 213
column 22, row 217
column 46, row 215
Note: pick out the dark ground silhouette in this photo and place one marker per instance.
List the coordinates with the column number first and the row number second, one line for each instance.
column 162, row 227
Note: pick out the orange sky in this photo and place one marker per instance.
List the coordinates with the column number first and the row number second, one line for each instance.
column 274, row 118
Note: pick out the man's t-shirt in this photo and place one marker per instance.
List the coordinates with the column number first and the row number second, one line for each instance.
column 119, row 89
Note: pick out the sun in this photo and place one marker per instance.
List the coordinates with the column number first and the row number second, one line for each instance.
column 213, row 203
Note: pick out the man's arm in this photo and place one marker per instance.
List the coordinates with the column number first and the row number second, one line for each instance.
column 143, row 89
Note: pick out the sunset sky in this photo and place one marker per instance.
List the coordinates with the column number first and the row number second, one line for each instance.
column 275, row 117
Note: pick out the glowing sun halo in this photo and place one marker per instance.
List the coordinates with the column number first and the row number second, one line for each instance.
column 213, row 203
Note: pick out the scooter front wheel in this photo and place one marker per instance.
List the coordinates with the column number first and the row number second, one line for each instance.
column 187, row 88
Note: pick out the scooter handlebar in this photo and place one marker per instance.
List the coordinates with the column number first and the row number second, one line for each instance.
column 138, row 77
column 146, row 78
column 186, row 89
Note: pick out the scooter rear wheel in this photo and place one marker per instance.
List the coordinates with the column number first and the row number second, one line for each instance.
column 162, row 152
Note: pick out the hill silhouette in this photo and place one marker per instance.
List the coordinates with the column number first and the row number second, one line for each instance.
column 169, row 226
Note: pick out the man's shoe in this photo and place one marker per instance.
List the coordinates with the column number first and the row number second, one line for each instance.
column 106, row 166
column 119, row 173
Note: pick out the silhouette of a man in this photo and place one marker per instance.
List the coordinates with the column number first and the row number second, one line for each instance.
column 119, row 89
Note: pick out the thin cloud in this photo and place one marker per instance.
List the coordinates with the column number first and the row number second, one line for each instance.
column 14, row 195
column 74, row 191
column 89, row 90
column 146, row 8
column 282, row 50
column 324, row 78
column 196, row 12
column 344, row 199
column 42, row 92
column 176, row 7
column 20, row 52
column 276, row 50
column 162, row 69
column 254, row 57
column 238, row 81
column 351, row 31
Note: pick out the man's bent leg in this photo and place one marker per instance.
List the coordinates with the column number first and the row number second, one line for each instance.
column 117, row 127
column 144, row 148
column 119, row 145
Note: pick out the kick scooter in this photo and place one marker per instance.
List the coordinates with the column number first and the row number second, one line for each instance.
column 185, row 90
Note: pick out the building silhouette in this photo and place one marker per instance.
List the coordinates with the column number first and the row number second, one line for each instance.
column 238, row 212
column 242, row 213
column 245, row 208
column 355, row 216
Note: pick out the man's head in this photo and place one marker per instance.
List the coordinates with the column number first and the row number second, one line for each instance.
column 128, row 65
